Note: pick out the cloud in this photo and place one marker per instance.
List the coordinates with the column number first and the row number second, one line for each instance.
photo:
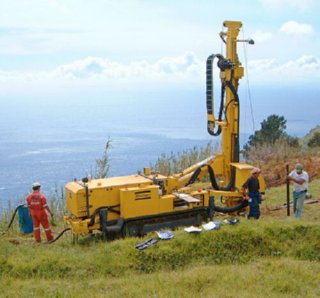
column 94, row 67
column 294, row 28
column 185, row 70
column 301, row 70
column 261, row 36
column 305, row 63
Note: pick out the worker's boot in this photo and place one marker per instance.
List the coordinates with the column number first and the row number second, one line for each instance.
column 36, row 233
column 48, row 234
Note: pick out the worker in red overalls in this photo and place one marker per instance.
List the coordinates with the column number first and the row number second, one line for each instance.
column 37, row 205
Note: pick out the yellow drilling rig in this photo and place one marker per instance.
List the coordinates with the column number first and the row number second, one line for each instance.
column 136, row 204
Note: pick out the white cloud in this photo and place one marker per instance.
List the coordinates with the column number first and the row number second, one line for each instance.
column 305, row 63
column 304, row 69
column 186, row 70
column 167, row 72
column 294, row 28
column 185, row 65
column 261, row 36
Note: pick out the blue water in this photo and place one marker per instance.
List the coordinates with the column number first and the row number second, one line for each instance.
column 54, row 139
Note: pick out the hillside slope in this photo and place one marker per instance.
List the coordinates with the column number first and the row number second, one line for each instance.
column 276, row 256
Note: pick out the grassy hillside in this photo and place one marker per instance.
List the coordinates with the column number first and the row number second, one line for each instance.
column 276, row 256
column 304, row 140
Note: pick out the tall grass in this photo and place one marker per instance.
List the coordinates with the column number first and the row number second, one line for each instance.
column 261, row 278
column 272, row 159
column 177, row 162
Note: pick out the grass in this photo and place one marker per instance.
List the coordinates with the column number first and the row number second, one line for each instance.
column 276, row 256
column 260, row 278
column 270, row 258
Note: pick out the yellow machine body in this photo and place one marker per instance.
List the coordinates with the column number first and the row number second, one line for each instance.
column 136, row 204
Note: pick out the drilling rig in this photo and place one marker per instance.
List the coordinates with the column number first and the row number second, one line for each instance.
column 137, row 204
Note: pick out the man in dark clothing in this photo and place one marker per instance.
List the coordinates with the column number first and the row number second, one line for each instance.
column 253, row 195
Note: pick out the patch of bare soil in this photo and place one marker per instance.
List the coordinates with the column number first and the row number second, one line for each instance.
column 275, row 174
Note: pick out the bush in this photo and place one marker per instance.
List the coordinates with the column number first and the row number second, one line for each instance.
column 103, row 163
column 175, row 163
column 315, row 140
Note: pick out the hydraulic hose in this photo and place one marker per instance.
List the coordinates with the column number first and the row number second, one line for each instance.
column 222, row 64
column 213, row 179
column 238, row 207
column 60, row 234
column 94, row 214
column 12, row 218
column 210, row 96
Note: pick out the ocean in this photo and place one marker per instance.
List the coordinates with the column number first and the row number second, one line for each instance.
column 54, row 139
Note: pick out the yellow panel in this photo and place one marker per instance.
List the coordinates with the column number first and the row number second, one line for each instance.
column 136, row 201
column 166, row 204
column 222, row 193
column 102, row 193
column 76, row 200
column 243, row 172
column 119, row 181
column 242, row 166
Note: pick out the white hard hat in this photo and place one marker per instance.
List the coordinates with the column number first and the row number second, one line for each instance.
column 36, row 184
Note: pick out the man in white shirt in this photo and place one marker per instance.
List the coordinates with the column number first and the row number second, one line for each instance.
column 300, row 180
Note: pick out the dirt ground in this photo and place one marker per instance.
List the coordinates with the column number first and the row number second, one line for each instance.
column 275, row 174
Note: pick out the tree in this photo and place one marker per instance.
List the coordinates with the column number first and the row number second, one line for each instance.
column 103, row 163
column 272, row 130
column 315, row 140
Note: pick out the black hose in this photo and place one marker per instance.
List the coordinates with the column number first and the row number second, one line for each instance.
column 213, row 207
column 240, row 206
column 61, row 233
column 209, row 94
column 222, row 64
column 12, row 218
column 213, row 179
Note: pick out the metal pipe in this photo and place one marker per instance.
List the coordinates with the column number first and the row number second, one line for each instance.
column 87, row 200
column 288, row 192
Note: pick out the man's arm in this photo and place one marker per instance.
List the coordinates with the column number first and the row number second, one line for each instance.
column 244, row 189
column 299, row 181
column 48, row 209
column 244, row 193
column 45, row 205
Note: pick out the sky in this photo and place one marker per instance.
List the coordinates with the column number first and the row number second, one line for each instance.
column 52, row 45
column 52, row 48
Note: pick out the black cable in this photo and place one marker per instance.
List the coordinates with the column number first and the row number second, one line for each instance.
column 213, row 179
column 240, row 206
column 12, row 218
column 209, row 93
column 61, row 233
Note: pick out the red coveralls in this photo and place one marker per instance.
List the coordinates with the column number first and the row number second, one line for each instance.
column 37, row 203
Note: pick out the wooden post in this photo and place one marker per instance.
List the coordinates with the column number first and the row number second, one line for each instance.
column 288, row 192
